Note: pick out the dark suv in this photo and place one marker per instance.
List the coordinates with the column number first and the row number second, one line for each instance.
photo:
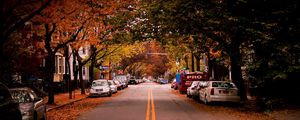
column 9, row 109
column 132, row 81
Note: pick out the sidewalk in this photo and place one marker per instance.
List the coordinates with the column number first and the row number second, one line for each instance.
column 62, row 99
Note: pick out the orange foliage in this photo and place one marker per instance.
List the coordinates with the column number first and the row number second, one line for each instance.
column 69, row 15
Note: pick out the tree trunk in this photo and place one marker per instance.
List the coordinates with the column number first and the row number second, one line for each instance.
column 210, row 65
column 49, row 75
column 91, row 68
column 67, row 72
column 81, row 79
column 75, row 71
column 6, row 67
column 197, row 62
column 235, row 58
column 2, row 61
column 91, row 71
column 187, row 62
column 193, row 62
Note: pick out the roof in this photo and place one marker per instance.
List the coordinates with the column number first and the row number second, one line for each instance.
column 20, row 88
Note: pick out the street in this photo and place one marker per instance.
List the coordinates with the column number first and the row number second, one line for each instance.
column 147, row 101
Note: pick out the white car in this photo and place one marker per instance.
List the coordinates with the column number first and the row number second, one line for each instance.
column 100, row 87
column 113, row 86
column 193, row 89
column 218, row 91
column 118, row 84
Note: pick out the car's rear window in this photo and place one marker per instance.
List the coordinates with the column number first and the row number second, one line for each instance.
column 22, row 96
column 223, row 85
column 100, row 83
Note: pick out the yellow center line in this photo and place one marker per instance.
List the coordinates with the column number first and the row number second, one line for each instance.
column 152, row 107
column 148, row 106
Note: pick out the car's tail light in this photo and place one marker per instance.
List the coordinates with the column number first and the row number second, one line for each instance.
column 212, row 91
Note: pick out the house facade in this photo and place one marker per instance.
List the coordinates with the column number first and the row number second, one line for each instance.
column 83, row 53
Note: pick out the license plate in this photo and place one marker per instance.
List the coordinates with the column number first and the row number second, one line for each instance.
column 99, row 90
column 225, row 92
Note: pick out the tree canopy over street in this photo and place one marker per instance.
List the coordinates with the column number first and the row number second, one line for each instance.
column 257, row 40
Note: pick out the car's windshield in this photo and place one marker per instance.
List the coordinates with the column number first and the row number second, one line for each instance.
column 116, row 82
column 111, row 83
column 223, row 84
column 99, row 83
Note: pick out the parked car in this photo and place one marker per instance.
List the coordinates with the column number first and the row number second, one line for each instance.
column 139, row 80
column 100, row 87
column 118, row 84
column 124, row 83
column 113, row 86
column 163, row 81
column 158, row 80
column 192, row 91
column 218, row 91
column 9, row 109
column 174, row 84
column 32, row 107
column 132, row 81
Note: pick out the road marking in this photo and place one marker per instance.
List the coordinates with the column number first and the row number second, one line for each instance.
column 152, row 107
column 148, row 106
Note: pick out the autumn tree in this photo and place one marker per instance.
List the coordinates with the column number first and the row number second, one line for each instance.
column 235, row 26
column 198, row 20
column 14, row 21
column 59, row 25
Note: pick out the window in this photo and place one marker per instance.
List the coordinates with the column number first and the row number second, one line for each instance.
column 99, row 83
column 43, row 63
column 67, row 70
column 21, row 96
column 56, row 64
column 83, row 50
column 61, row 65
column 223, row 85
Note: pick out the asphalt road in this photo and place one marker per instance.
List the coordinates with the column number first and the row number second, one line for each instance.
column 147, row 101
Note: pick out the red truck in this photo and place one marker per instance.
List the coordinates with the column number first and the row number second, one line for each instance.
column 187, row 79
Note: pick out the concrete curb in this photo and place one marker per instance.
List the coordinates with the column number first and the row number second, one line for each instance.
column 50, row 109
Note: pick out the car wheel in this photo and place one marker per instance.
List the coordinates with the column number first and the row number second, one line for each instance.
column 35, row 115
column 190, row 96
column 17, row 116
column 109, row 94
column 196, row 97
column 205, row 100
